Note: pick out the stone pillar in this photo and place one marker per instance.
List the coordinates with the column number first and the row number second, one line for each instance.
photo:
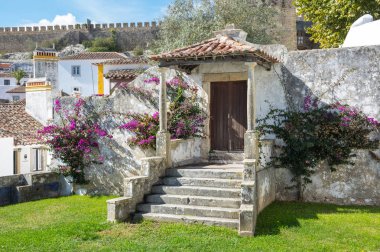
column 248, row 208
column 163, row 136
column 250, row 137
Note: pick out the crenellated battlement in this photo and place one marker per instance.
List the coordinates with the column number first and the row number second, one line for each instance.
column 107, row 26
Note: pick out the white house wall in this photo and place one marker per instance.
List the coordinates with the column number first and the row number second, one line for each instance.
column 87, row 81
column 6, row 156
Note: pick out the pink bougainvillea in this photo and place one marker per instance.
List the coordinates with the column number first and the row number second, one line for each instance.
column 74, row 140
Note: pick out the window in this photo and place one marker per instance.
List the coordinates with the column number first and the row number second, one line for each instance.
column 16, row 98
column 76, row 90
column 75, row 70
column 7, row 82
column 300, row 40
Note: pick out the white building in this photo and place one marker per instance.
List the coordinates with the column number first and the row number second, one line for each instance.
column 20, row 151
column 121, row 71
column 363, row 32
column 80, row 73
column 8, row 83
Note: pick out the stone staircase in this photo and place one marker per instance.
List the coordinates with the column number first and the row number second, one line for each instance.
column 209, row 194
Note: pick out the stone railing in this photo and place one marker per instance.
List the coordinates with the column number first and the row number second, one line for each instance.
column 135, row 188
column 78, row 27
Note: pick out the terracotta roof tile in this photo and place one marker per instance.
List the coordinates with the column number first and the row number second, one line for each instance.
column 17, row 123
column 17, row 90
column 5, row 65
column 122, row 74
column 95, row 55
column 6, row 75
column 220, row 46
column 126, row 61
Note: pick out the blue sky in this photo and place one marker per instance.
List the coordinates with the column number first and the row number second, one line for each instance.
column 45, row 12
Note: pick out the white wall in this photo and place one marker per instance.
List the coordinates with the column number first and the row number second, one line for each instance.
column 4, row 89
column 39, row 104
column 6, row 156
column 25, row 160
column 87, row 81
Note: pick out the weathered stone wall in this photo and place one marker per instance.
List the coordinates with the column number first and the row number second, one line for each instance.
column 185, row 151
column 29, row 187
column 22, row 39
column 350, row 75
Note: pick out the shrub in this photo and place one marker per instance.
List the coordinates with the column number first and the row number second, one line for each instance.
column 185, row 119
column 74, row 140
column 318, row 133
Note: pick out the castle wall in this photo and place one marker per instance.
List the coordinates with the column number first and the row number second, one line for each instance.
column 23, row 39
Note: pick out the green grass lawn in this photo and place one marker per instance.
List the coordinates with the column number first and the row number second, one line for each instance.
column 79, row 224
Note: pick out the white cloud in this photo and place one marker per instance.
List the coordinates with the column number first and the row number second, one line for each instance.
column 68, row 19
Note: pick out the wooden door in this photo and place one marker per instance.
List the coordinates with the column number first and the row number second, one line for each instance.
column 228, row 117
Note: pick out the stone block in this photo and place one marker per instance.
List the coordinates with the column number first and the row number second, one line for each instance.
column 163, row 147
column 251, row 148
column 104, row 26
column 21, row 29
column 118, row 209
column 139, row 24
column 1, row 29
column 14, row 29
column 146, row 24
column 125, row 25
column 112, row 25
column 247, row 220
column 118, row 25
column 154, row 24
column 133, row 25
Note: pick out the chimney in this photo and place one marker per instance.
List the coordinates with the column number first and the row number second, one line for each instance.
column 230, row 31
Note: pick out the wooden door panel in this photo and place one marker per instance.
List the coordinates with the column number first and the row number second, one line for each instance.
column 228, row 115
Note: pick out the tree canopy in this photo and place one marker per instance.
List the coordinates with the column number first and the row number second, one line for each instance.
column 191, row 21
column 332, row 19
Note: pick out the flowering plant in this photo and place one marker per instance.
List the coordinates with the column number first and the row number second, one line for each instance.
column 185, row 119
column 319, row 132
column 74, row 140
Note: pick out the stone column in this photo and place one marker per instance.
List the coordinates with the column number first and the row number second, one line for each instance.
column 250, row 137
column 163, row 136
column 248, row 208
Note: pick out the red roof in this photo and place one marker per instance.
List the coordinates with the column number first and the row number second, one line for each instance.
column 221, row 46
column 17, row 123
column 95, row 55
column 122, row 74
column 126, row 61
column 5, row 65
column 18, row 89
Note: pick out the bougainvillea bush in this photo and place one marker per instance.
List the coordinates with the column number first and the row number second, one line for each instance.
column 185, row 119
column 74, row 140
column 319, row 132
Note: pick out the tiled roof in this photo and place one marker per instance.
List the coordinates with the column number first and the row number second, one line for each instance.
column 126, row 61
column 94, row 55
column 6, row 75
column 122, row 74
column 5, row 65
column 221, row 46
column 17, row 90
column 17, row 123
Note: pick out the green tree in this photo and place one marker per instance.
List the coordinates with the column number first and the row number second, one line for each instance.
column 103, row 44
column 18, row 75
column 191, row 21
column 332, row 19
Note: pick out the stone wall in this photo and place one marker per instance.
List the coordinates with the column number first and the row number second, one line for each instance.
column 22, row 39
column 350, row 75
column 29, row 187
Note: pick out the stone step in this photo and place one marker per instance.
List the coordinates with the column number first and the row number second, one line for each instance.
column 222, row 157
column 197, row 191
column 219, row 173
column 204, row 182
column 193, row 200
column 200, row 211
column 230, row 223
